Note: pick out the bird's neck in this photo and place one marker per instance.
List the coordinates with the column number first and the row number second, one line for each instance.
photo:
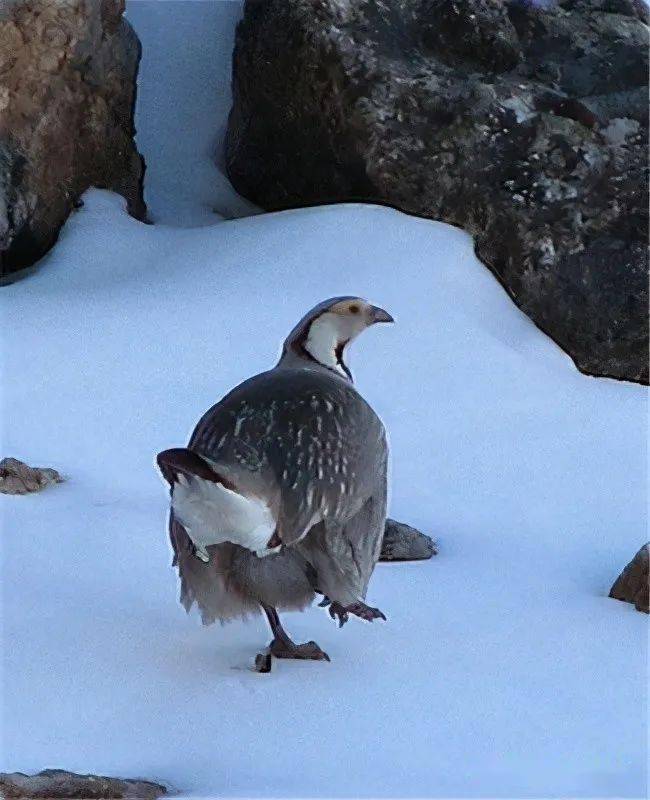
column 324, row 345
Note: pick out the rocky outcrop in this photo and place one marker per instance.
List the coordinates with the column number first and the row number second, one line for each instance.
column 17, row 478
column 523, row 122
column 633, row 584
column 57, row 784
column 67, row 90
column 403, row 543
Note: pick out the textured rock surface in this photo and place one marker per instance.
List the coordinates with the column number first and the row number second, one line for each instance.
column 524, row 123
column 632, row 585
column 59, row 784
column 403, row 543
column 67, row 89
column 18, row 478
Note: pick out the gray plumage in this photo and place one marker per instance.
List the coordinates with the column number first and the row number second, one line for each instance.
column 303, row 440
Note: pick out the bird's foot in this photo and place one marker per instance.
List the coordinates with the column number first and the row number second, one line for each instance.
column 283, row 647
column 358, row 609
column 309, row 651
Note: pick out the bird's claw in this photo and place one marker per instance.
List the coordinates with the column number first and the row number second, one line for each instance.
column 339, row 613
column 358, row 609
column 366, row 612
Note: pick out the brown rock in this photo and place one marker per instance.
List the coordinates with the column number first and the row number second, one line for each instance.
column 67, row 91
column 61, row 785
column 632, row 585
column 18, row 478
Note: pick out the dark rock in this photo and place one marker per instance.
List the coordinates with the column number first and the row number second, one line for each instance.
column 17, row 478
column 61, row 785
column 67, row 90
column 475, row 32
column 263, row 662
column 403, row 543
column 632, row 585
column 523, row 122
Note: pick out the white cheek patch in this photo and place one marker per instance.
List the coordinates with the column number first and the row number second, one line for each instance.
column 212, row 514
column 325, row 334
column 322, row 339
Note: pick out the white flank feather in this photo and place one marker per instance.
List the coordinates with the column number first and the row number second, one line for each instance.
column 212, row 514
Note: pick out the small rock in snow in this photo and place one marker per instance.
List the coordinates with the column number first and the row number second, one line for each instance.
column 61, row 785
column 403, row 543
column 632, row 585
column 18, row 478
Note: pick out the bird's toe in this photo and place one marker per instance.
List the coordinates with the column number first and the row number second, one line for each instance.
column 339, row 613
column 312, row 650
column 368, row 613
column 309, row 651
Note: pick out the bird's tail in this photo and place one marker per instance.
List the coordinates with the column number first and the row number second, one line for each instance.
column 181, row 461
column 213, row 586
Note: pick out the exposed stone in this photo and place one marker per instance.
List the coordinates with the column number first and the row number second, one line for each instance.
column 18, row 478
column 67, row 90
column 58, row 784
column 523, row 122
column 633, row 584
column 404, row 543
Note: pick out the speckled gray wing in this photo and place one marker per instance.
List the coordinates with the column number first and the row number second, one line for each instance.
column 344, row 555
column 303, row 439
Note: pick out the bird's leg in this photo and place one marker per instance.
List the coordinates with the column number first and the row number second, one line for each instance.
column 358, row 609
column 283, row 647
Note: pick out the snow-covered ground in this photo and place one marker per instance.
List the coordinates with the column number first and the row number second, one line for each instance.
column 503, row 670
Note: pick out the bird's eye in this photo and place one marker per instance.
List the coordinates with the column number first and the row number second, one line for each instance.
column 354, row 309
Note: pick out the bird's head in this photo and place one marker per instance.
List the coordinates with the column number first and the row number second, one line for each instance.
column 323, row 334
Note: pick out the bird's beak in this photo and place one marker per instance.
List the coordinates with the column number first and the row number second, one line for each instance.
column 379, row 315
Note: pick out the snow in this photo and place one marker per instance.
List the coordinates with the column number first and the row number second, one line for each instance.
column 503, row 670
column 182, row 108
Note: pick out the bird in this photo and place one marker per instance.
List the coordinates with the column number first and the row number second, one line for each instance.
column 281, row 492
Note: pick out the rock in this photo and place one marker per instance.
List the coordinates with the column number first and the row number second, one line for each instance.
column 18, row 478
column 523, row 122
column 476, row 32
column 632, row 584
column 58, row 784
column 263, row 662
column 403, row 543
column 67, row 91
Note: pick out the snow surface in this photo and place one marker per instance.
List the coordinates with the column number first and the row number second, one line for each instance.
column 503, row 670
column 182, row 108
